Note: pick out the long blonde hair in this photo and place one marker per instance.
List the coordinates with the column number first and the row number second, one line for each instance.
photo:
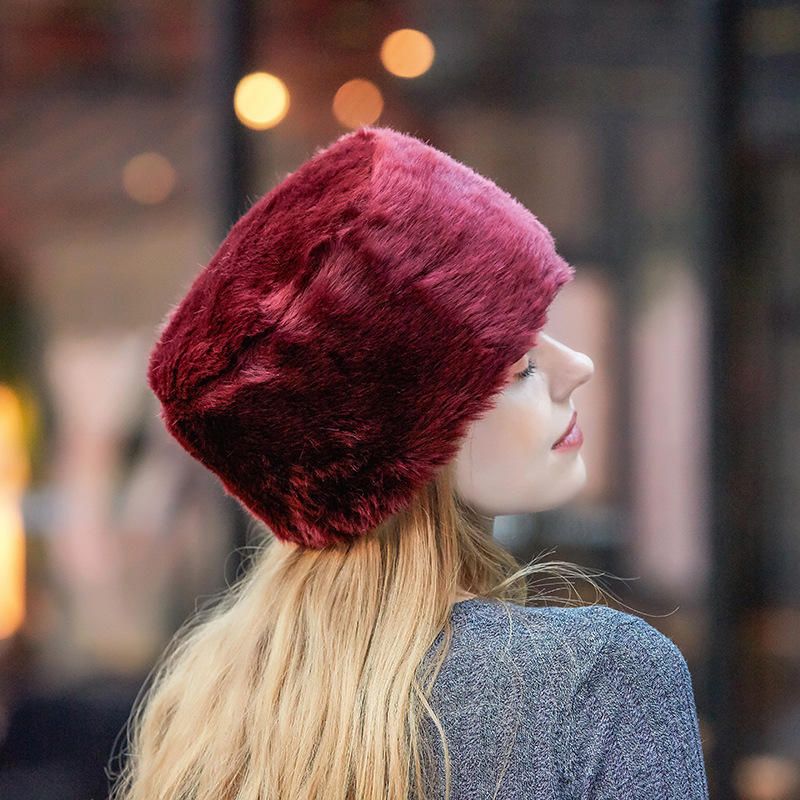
column 301, row 681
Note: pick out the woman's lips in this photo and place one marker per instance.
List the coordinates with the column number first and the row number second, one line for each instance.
column 572, row 436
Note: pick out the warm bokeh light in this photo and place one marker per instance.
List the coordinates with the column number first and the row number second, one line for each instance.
column 14, row 465
column 261, row 100
column 357, row 102
column 407, row 53
column 14, row 474
column 12, row 568
column 149, row 178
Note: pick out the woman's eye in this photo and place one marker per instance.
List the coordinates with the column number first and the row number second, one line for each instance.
column 527, row 371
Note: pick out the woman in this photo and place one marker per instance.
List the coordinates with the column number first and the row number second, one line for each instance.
column 362, row 364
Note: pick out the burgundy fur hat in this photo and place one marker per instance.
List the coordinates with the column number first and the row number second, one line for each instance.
column 350, row 327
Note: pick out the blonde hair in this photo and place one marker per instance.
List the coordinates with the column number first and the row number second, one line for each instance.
column 302, row 681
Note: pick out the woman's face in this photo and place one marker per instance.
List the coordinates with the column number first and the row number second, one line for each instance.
column 507, row 463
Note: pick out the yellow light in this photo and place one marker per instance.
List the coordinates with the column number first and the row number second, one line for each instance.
column 357, row 102
column 261, row 100
column 14, row 466
column 14, row 475
column 407, row 53
column 148, row 178
column 12, row 567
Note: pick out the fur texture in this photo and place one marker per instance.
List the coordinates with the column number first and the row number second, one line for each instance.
column 350, row 327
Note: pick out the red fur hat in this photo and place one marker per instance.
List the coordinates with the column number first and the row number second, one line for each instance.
column 350, row 327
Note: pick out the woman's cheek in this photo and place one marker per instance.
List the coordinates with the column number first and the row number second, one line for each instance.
column 532, row 422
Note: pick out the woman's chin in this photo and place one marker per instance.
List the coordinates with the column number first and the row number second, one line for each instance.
column 568, row 487
column 529, row 497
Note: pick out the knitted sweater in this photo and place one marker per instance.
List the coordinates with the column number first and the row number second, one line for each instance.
column 556, row 703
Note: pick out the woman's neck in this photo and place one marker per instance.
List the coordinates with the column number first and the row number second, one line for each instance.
column 487, row 525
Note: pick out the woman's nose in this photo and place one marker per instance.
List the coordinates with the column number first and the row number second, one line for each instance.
column 571, row 368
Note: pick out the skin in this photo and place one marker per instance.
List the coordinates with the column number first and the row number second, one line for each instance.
column 506, row 464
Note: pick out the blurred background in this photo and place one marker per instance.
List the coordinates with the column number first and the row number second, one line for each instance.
column 660, row 143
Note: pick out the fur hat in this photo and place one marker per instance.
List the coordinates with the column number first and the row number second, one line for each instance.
column 352, row 324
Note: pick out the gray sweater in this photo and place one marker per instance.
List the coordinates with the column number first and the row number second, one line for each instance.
column 555, row 703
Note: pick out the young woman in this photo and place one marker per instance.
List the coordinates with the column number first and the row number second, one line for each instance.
column 363, row 365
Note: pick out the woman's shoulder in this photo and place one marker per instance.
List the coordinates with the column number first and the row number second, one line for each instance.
column 601, row 696
column 578, row 640
column 488, row 621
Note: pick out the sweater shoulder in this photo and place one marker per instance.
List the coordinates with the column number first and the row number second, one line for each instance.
column 539, row 633
column 519, row 683
column 555, row 650
column 543, row 653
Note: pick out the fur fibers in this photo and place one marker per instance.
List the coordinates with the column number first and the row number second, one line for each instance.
column 350, row 327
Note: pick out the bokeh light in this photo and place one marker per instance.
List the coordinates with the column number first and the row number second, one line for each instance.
column 14, row 476
column 407, row 53
column 357, row 102
column 261, row 100
column 149, row 178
